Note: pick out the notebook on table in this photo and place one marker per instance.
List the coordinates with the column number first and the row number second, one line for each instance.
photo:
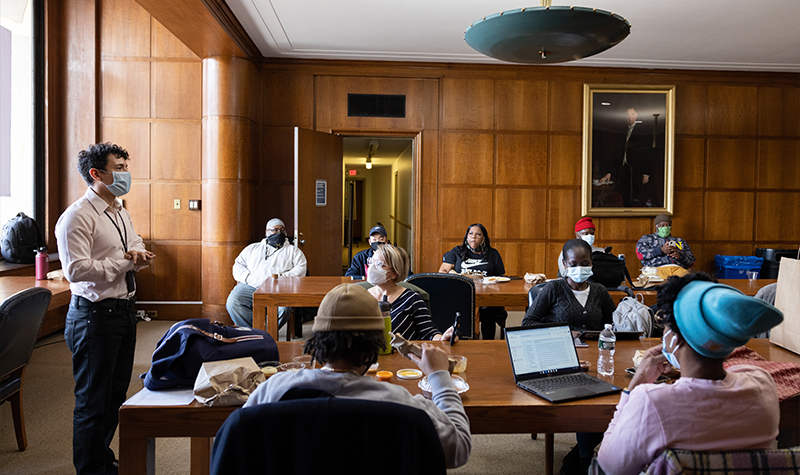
column 545, row 362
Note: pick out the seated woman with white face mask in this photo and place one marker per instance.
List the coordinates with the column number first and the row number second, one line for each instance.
column 710, row 408
column 584, row 305
column 410, row 316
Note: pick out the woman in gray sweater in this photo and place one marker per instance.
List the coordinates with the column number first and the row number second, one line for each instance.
column 584, row 305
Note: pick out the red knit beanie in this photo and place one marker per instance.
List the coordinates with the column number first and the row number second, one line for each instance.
column 584, row 223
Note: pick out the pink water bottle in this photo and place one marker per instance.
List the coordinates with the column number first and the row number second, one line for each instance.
column 42, row 263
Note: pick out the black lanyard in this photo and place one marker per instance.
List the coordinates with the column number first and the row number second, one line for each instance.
column 124, row 228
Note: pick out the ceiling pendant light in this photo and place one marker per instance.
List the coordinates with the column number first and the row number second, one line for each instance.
column 373, row 147
column 546, row 34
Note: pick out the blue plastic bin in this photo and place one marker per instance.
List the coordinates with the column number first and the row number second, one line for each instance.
column 736, row 267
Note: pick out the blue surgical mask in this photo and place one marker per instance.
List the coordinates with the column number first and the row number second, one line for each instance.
column 121, row 185
column 670, row 355
column 578, row 274
column 589, row 238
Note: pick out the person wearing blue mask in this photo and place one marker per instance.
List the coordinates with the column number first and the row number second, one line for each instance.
column 256, row 262
column 585, row 306
column 100, row 252
column 711, row 407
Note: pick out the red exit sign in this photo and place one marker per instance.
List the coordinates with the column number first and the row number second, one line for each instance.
column 352, row 172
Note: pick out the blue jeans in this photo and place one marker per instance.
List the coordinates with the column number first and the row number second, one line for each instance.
column 102, row 339
column 240, row 307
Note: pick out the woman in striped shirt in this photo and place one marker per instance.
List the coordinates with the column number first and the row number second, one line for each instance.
column 410, row 316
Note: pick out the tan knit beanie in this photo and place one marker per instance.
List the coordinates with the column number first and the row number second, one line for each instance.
column 348, row 307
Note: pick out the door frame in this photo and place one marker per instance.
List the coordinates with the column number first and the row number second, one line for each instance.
column 416, row 176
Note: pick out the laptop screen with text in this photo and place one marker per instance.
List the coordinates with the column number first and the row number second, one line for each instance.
column 544, row 350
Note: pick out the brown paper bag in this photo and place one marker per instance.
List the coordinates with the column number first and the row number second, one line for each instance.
column 227, row 382
column 787, row 300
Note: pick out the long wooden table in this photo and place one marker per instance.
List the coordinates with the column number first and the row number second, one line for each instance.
column 54, row 318
column 309, row 291
column 494, row 404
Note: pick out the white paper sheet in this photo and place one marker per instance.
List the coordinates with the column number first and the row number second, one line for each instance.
column 169, row 397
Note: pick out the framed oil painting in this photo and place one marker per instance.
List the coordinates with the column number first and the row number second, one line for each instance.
column 628, row 150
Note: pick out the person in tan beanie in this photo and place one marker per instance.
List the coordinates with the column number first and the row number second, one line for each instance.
column 348, row 335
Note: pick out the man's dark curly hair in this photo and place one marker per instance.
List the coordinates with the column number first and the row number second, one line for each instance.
column 358, row 347
column 668, row 293
column 96, row 156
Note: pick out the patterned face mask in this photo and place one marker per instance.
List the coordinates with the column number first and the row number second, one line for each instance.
column 664, row 231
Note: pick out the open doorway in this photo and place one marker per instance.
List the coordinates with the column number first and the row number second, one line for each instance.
column 378, row 189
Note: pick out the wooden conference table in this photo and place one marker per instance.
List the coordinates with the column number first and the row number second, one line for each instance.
column 308, row 292
column 54, row 318
column 494, row 404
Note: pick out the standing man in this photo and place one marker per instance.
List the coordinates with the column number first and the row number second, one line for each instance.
column 377, row 235
column 257, row 262
column 99, row 252
column 671, row 255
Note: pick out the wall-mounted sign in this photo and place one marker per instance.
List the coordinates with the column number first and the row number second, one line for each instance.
column 352, row 172
column 322, row 193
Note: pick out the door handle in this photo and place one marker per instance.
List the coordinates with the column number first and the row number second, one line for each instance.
column 302, row 241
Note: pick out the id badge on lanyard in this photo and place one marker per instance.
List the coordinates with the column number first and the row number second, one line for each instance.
column 130, row 277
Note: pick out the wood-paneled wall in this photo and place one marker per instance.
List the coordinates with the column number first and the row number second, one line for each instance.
column 501, row 145
column 151, row 103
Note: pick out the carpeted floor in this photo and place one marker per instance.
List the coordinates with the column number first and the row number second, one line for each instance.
column 48, row 402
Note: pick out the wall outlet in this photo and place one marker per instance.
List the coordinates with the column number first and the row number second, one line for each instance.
column 177, row 204
column 151, row 313
column 194, row 205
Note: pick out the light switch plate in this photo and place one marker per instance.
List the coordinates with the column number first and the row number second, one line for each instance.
column 177, row 204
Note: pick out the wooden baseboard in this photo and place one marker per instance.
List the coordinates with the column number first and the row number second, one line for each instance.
column 176, row 312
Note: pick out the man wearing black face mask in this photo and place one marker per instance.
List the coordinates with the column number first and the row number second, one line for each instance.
column 257, row 262
column 377, row 235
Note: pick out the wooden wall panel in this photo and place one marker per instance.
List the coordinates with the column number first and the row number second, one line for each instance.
column 779, row 164
column 690, row 109
column 777, row 111
column 622, row 229
column 177, row 90
column 467, row 159
column 778, row 217
column 732, row 110
column 731, row 163
column 133, row 137
column 521, row 159
column 218, row 278
column 468, row 104
column 168, row 283
column 137, row 202
column 464, row 206
column 224, row 203
column 288, row 99
column 687, row 221
column 126, row 89
column 176, row 150
column 133, row 39
column 566, row 106
column 689, row 162
column 522, row 257
column 729, row 216
column 566, row 160
column 144, row 279
column 176, row 224
column 166, row 45
column 520, row 213
column 518, row 105
column 564, row 209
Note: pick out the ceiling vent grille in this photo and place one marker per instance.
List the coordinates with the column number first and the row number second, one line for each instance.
column 376, row 105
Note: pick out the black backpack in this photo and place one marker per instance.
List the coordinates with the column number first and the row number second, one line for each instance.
column 607, row 269
column 20, row 238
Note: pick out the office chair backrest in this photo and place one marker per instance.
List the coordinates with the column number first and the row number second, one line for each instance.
column 450, row 293
column 534, row 291
column 327, row 435
column 21, row 316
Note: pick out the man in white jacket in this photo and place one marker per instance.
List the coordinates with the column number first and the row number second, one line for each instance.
column 254, row 265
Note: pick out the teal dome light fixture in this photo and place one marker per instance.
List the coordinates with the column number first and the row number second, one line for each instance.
column 546, row 34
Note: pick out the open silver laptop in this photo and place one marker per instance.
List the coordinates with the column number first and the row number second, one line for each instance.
column 545, row 362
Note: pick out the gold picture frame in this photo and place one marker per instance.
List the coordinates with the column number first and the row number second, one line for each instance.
column 628, row 150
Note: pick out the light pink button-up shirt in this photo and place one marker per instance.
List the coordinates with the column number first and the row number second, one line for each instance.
column 90, row 248
column 740, row 412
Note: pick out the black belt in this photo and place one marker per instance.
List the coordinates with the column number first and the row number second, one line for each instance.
column 78, row 302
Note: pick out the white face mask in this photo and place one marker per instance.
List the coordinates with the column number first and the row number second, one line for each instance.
column 589, row 238
column 578, row 274
column 377, row 275
column 670, row 355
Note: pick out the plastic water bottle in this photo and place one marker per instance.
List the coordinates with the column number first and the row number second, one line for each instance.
column 606, row 345
column 386, row 311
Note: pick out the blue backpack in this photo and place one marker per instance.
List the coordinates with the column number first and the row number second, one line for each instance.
column 188, row 344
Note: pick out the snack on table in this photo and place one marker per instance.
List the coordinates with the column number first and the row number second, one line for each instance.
column 384, row 375
column 637, row 358
column 404, row 347
column 535, row 279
